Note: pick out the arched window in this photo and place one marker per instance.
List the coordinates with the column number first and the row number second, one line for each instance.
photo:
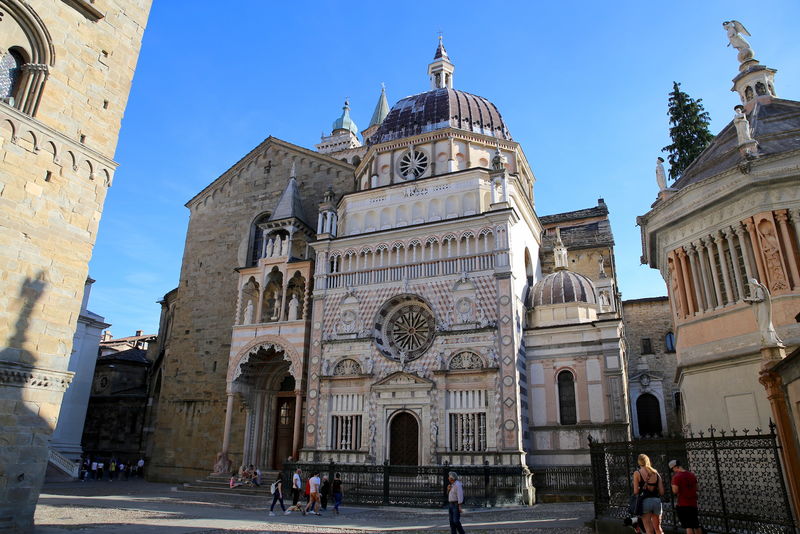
column 566, row 398
column 29, row 54
column 10, row 64
column 648, row 412
column 669, row 342
column 257, row 239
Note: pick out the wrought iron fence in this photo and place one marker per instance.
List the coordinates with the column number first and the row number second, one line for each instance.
column 568, row 479
column 740, row 481
column 424, row 486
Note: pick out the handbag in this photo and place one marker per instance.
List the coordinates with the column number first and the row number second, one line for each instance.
column 635, row 502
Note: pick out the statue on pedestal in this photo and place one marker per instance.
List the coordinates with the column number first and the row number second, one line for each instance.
column 294, row 308
column 222, row 464
column 661, row 176
column 762, row 307
column 248, row 312
column 734, row 29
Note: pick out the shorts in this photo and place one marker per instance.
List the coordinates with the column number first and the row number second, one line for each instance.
column 687, row 515
column 651, row 505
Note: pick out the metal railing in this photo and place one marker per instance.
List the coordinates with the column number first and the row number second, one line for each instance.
column 424, row 486
column 567, row 479
column 741, row 488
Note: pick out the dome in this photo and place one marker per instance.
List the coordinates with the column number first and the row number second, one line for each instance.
column 345, row 122
column 441, row 108
column 562, row 287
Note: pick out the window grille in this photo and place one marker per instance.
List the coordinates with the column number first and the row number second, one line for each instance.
column 467, row 432
column 566, row 398
column 346, row 432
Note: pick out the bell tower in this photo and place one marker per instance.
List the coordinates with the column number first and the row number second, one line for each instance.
column 441, row 70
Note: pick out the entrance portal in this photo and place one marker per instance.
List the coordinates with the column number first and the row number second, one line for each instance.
column 404, row 444
column 284, row 428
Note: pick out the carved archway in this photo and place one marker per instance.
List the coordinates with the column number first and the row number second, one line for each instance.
column 267, row 342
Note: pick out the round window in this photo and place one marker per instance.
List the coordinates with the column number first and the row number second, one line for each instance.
column 404, row 328
column 413, row 164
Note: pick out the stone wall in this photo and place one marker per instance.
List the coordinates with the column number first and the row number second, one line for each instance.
column 191, row 406
column 650, row 318
column 55, row 167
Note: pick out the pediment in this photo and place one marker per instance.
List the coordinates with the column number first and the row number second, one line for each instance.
column 402, row 379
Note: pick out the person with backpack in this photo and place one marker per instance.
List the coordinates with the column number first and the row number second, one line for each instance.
column 648, row 482
column 277, row 495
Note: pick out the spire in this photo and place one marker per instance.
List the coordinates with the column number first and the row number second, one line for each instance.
column 345, row 122
column 441, row 70
column 289, row 206
column 755, row 82
column 381, row 109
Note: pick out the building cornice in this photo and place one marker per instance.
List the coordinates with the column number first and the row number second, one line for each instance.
column 13, row 374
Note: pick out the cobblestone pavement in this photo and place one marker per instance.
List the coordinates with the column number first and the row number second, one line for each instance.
column 141, row 507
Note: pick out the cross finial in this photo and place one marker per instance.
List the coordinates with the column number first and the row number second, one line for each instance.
column 440, row 35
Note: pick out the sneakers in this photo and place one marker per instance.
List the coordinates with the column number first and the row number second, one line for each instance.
column 317, row 513
column 287, row 512
column 272, row 514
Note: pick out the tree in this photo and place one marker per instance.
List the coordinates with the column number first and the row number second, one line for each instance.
column 689, row 130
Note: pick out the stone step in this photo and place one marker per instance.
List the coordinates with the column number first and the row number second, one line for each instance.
column 240, row 490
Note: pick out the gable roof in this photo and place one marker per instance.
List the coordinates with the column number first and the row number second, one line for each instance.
column 775, row 126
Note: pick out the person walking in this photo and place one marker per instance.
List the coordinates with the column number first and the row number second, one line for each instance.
column 277, row 495
column 455, row 498
column 684, row 486
column 112, row 469
column 313, row 494
column 336, row 488
column 297, row 485
column 647, row 481
column 94, row 469
column 324, row 492
column 140, row 467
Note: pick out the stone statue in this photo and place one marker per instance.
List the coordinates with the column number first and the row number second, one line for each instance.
column 248, row 312
column 605, row 302
column 661, row 176
column 285, row 247
column 434, row 434
column 403, row 359
column 369, row 363
column 601, row 263
column 440, row 360
column 276, row 308
column 294, row 308
column 675, row 290
column 742, row 126
column 270, row 245
column 771, row 248
column 222, row 464
column 326, row 367
column 762, row 304
column 498, row 161
column 734, row 30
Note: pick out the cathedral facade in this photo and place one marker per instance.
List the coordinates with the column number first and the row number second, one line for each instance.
column 397, row 300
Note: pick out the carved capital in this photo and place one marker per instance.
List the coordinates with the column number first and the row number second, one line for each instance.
column 781, row 215
column 680, row 252
column 739, row 229
column 691, row 249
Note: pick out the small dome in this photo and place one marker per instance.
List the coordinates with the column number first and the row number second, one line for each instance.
column 562, row 287
column 345, row 122
column 441, row 108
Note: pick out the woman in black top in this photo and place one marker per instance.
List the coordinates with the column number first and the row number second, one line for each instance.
column 649, row 482
column 277, row 495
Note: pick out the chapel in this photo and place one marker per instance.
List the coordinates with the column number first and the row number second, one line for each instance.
column 390, row 298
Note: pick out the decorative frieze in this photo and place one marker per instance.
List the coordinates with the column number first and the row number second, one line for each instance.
column 17, row 375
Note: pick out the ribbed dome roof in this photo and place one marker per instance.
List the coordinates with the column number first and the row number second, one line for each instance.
column 562, row 287
column 441, row 108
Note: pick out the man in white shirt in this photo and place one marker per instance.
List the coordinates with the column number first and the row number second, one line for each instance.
column 140, row 467
column 297, row 485
column 455, row 498
column 313, row 494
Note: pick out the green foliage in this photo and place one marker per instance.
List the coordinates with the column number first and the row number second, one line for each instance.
column 689, row 130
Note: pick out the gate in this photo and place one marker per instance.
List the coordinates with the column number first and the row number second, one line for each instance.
column 739, row 475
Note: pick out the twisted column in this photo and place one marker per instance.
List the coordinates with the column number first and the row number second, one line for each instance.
column 709, row 244
column 698, row 294
column 701, row 261
column 718, row 239
column 729, row 234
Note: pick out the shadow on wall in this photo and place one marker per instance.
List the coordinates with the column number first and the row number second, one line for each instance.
column 25, row 434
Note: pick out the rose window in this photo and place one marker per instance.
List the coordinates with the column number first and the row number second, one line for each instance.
column 404, row 328
column 413, row 164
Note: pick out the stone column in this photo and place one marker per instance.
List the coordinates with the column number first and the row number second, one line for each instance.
column 718, row 239
column 746, row 255
column 298, row 422
column 756, row 248
column 451, row 162
column 709, row 244
column 687, row 282
column 698, row 292
column 701, row 262
column 226, row 435
column 781, row 217
column 468, row 154
column 728, row 232
column 790, row 454
column 794, row 214
column 679, row 285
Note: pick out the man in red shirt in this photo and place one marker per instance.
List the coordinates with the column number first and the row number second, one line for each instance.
column 684, row 486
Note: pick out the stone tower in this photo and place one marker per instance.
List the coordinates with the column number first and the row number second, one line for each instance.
column 65, row 74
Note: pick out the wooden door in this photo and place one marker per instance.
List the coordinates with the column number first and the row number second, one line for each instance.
column 404, row 444
column 284, row 431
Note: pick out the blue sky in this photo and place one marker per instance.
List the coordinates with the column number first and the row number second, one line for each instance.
column 581, row 85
